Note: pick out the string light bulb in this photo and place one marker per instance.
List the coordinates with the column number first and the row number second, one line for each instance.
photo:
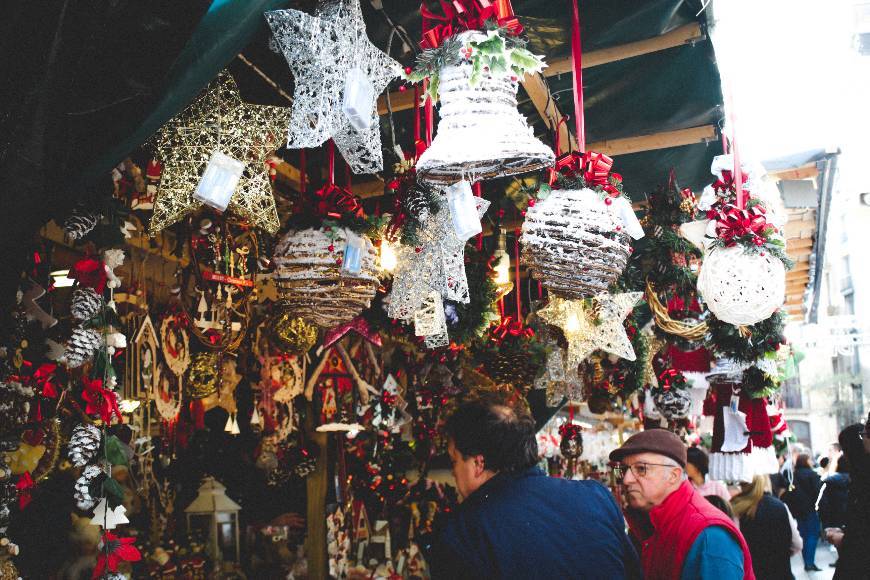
column 389, row 259
column 501, row 262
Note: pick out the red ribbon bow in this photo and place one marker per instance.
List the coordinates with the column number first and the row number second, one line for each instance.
column 593, row 167
column 24, row 486
column 733, row 223
column 726, row 183
column 671, row 378
column 462, row 15
column 510, row 327
column 335, row 202
column 100, row 401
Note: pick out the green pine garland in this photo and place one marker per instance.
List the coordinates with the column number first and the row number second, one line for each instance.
column 765, row 337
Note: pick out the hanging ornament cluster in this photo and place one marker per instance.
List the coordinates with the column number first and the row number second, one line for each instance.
column 672, row 395
column 292, row 334
column 337, row 76
column 576, row 238
column 481, row 135
column 742, row 278
column 326, row 276
column 214, row 153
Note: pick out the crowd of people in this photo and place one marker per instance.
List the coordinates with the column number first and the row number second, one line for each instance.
column 665, row 518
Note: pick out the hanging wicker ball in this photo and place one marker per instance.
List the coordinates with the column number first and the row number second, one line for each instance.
column 574, row 243
column 481, row 134
column 311, row 282
column 202, row 375
column 292, row 334
column 741, row 288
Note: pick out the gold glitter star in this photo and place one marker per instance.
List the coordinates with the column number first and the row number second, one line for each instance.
column 594, row 324
column 218, row 120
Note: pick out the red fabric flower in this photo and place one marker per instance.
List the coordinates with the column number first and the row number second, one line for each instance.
column 90, row 272
column 115, row 550
column 99, row 400
column 24, row 485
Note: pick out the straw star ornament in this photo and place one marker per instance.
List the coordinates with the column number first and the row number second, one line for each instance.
column 219, row 121
column 337, row 74
column 594, row 324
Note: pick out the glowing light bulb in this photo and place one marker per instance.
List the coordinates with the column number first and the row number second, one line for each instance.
column 61, row 279
column 501, row 261
column 572, row 324
column 389, row 260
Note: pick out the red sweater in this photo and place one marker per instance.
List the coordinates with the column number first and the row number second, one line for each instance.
column 677, row 522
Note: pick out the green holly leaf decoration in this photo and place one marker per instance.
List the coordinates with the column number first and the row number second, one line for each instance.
column 115, row 452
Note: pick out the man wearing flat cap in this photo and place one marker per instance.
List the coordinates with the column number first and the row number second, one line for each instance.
column 681, row 534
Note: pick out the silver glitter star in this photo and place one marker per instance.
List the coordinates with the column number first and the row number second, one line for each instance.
column 591, row 325
column 322, row 51
column 437, row 264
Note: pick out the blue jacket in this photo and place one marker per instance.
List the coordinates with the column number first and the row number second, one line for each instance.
column 528, row 525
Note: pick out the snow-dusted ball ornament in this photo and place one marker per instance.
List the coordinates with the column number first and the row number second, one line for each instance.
column 575, row 242
column 740, row 287
column 673, row 403
column 481, row 134
column 326, row 279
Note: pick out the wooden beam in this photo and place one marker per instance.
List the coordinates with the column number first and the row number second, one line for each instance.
column 807, row 171
column 539, row 93
column 662, row 140
column 798, row 243
column 800, row 267
column 402, row 100
column 797, row 253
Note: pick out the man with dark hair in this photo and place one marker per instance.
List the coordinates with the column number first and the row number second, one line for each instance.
column 514, row 521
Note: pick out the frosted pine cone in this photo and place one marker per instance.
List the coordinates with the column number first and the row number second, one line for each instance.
column 86, row 304
column 84, row 443
column 79, row 223
column 87, row 481
column 81, row 347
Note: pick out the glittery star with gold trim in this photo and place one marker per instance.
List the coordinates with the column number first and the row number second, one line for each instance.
column 218, row 120
column 594, row 324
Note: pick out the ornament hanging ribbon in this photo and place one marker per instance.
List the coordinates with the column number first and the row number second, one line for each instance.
column 24, row 486
column 733, row 224
column 463, row 15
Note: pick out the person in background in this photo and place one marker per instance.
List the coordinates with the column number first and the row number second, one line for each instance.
column 768, row 528
column 514, row 521
column 723, row 506
column 802, row 502
column 853, row 541
column 697, row 467
column 683, row 536
column 835, row 496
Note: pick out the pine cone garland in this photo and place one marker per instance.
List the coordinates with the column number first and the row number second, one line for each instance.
column 88, row 481
column 79, row 223
column 81, row 347
column 86, row 304
column 84, row 444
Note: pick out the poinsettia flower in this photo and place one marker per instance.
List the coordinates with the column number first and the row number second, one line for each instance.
column 99, row 400
column 114, row 551
column 90, row 272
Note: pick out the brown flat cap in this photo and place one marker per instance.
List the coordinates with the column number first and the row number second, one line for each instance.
column 659, row 441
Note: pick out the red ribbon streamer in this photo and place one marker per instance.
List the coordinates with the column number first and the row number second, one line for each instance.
column 576, row 54
column 510, row 327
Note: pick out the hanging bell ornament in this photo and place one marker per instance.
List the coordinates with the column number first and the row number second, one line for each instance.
column 481, row 134
column 571, row 444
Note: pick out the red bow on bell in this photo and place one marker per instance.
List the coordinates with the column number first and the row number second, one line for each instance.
column 24, row 486
column 593, row 167
column 733, row 223
column 335, row 202
column 510, row 327
column 462, row 15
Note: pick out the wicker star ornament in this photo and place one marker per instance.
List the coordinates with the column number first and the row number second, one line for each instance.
column 330, row 55
column 594, row 324
column 218, row 120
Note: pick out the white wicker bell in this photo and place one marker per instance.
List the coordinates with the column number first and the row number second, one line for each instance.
column 481, row 134
column 312, row 282
column 741, row 288
column 575, row 243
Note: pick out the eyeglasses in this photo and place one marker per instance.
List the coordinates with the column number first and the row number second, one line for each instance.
column 640, row 469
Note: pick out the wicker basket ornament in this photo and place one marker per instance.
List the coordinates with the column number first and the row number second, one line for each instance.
column 575, row 243
column 311, row 280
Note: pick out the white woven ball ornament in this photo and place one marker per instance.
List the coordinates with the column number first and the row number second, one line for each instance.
column 312, row 283
column 481, row 134
column 575, row 243
column 741, row 288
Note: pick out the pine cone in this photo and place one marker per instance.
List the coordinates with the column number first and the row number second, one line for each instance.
column 84, row 443
column 84, row 484
column 418, row 201
column 81, row 346
column 79, row 223
column 86, row 304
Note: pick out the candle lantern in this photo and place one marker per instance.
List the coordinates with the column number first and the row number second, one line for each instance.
column 216, row 517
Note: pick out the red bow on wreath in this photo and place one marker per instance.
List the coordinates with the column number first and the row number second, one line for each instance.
column 335, row 202
column 510, row 327
column 593, row 167
column 672, row 378
column 24, row 486
column 733, row 223
column 462, row 15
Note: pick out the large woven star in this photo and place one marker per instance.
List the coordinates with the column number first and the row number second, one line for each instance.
column 322, row 52
column 218, row 120
column 594, row 324
column 437, row 264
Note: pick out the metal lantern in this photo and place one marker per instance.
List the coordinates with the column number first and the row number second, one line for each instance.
column 217, row 516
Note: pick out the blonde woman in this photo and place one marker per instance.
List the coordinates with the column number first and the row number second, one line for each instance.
column 769, row 529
